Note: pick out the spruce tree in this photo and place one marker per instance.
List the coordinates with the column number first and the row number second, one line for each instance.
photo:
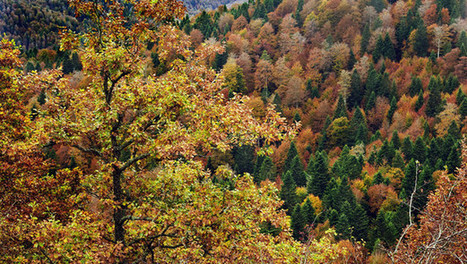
column 308, row 212
column 340, row 109
column 434, row 104
column 67, row 66
column 297, row 16
column 360, row 224
column 297, row 222
column 388, row 48
column 434, row 152
column 419, row 150
column 454, row 130
column 373, row 81
column 408, row 183
column 287, row 192
column 267, row 170
column 243, row 158
column 343, row 227
column 451, row 83
column 333, row 217
column 371, row 103
column 41, row 99
column 426, row 186
column 297, row 171
column 395, row 140
column 352, row 60
column 77, row 65
column 460, row 96
column 365, row 39
column 415, row 86
column 398, row 161
column 421, row 42
column 290, row 156
column 462, row 44
column 379, row 49
column 356, row 90
column 463, row 108
column 320, row 177
column 454, row 159
column 296, row 117
column 392, row 109
column 420, row 101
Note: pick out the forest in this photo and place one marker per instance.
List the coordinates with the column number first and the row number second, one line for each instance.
column 273, row 131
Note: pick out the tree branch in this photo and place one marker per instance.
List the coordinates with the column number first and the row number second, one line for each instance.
column 88, row 150
column 133, row 160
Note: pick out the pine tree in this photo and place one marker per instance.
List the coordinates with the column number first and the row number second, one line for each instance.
column 320, row 177
column 291, row 154
column 343, row 227
column 340, row 109
column 333, row 217
column 371, row 103
column 392, row 109
column 220, row 60
column 362, row 134
column 77, row 65
column 388, row 48
column 373, row 81
column 67, row 66
column 421, row 43
column 297, row 222
column 347, row 166
column 356, row 90
column 395, row 140
column 41, row 99
column 398, row 161
column 454, row 130
column 408, row 183
column 297, row 171
column 360, row 224
column 425, row 186
column 267, row 170
column 463, row 108
column 434, row 104
column 296, row 117
column 462, row 44
column 451, row 83
column 434, row 152
column 297, row 16
column 420, row 101
column 379, row 49
column 243, row 158
column 308, row 212
column 454, row 159
column 310, row 167
column 287, row 192
column 29, row 67
column 352, row 60
column 419, row 150
column 415, row 86
column 460, row 96
column 365, row 39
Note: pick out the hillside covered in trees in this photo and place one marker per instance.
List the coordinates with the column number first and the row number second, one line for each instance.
column 311, row 131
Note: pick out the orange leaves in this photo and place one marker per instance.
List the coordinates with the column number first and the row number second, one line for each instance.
column 440, row 236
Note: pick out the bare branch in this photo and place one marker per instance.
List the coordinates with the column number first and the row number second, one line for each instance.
column 88, row 150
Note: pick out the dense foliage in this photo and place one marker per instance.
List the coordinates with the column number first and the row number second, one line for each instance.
column 152, row 136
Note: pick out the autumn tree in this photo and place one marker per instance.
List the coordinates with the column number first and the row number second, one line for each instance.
column 440, row 236
column 32, row 193
column 158, row 203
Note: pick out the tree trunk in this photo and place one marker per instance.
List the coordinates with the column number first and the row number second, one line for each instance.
column 119, row 211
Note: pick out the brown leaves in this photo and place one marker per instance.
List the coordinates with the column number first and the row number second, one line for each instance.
column 441, row 235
